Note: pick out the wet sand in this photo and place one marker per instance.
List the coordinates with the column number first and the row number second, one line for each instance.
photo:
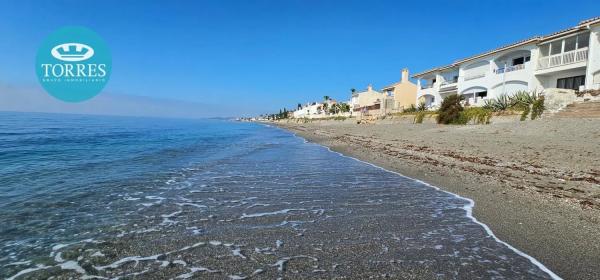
column 535, row 183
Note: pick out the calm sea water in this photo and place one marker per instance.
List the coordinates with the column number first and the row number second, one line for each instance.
column 110, row 197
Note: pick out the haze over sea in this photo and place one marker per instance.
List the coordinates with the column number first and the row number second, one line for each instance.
column 84, row 196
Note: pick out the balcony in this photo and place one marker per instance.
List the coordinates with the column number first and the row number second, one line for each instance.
column 449, row 83
column 426, row 86
column 570, row 57
column 474, row 76
column 449, row 86
column 510, row 68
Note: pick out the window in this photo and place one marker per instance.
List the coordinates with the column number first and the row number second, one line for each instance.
column 555, row 47
column 527, row 58
column 570, row 43
column 518, row 61
column 583, row 40
column 545, row 50
column 481, row 94
column 571, row 82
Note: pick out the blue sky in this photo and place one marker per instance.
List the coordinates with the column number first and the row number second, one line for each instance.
column 257, row 56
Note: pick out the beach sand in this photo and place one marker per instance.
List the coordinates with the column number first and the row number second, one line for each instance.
column 535, row 183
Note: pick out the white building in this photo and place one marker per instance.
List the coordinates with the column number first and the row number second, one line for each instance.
column 309, row 110
column 567, row 59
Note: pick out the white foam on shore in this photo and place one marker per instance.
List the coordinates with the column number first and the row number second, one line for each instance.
column 72, row 265
column 28, row 270
column 284, row 211
column 238, row 253
column 191, row 204
column 194, row 270
column 468, row 208
column 281, row 263
column 18, row 263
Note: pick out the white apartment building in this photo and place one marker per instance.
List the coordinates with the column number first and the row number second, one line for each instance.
column 310, row 110
column 568, row 59
column 314, row 110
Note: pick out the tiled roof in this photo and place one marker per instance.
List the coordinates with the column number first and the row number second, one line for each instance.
column 505, row 47
column 589, row 20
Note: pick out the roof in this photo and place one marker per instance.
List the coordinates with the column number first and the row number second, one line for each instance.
column 536, row 39
column 390, row 86
column 434, row 70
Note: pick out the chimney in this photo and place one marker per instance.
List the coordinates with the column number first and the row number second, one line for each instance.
column 404, row 78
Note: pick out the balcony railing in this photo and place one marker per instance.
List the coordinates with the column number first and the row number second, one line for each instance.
column 510, row 68
column 565, row 58
column 474, row 76
column 447, row 83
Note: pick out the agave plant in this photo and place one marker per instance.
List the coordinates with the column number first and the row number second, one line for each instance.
column 524, row 99
column 503, row 102
column 488, row 104
column 422, row 107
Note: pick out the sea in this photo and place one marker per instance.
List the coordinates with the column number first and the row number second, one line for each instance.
column 102, row 197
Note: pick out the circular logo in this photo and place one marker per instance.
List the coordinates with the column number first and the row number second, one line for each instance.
column 73, row 64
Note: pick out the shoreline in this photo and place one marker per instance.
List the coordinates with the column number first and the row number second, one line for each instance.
column 560, row 234
column 469, row 205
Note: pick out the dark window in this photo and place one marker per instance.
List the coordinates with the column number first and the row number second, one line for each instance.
column 432, row 99
column 481, row 94
column 570, row 43
column 571, row 82
column 528, row 58
column 555, row 47
column 583, row 40
column 518, row 61
column 545, row 50
column 433, row 81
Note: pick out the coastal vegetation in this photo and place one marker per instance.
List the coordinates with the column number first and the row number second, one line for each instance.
column 523, row 101
column 420, row 116
column 283, row 114
column 537, row 108
column 449, row 112
column 476, row 115
column 339, row 108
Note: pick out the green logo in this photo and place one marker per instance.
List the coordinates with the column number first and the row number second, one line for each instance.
column 73, row 64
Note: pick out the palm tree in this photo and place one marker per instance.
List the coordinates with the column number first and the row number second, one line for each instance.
column 345, row 107
column 326, row 97
column 352, row 90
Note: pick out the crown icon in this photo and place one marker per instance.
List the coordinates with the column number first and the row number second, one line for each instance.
column 72, row 52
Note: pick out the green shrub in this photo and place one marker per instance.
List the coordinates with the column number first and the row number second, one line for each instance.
column 450, row 109
column 419, row 117
column 475, row 114
column 422, row 107
column 339, row 118
column 410, row 109
column 537, row 108
column 525, row 112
